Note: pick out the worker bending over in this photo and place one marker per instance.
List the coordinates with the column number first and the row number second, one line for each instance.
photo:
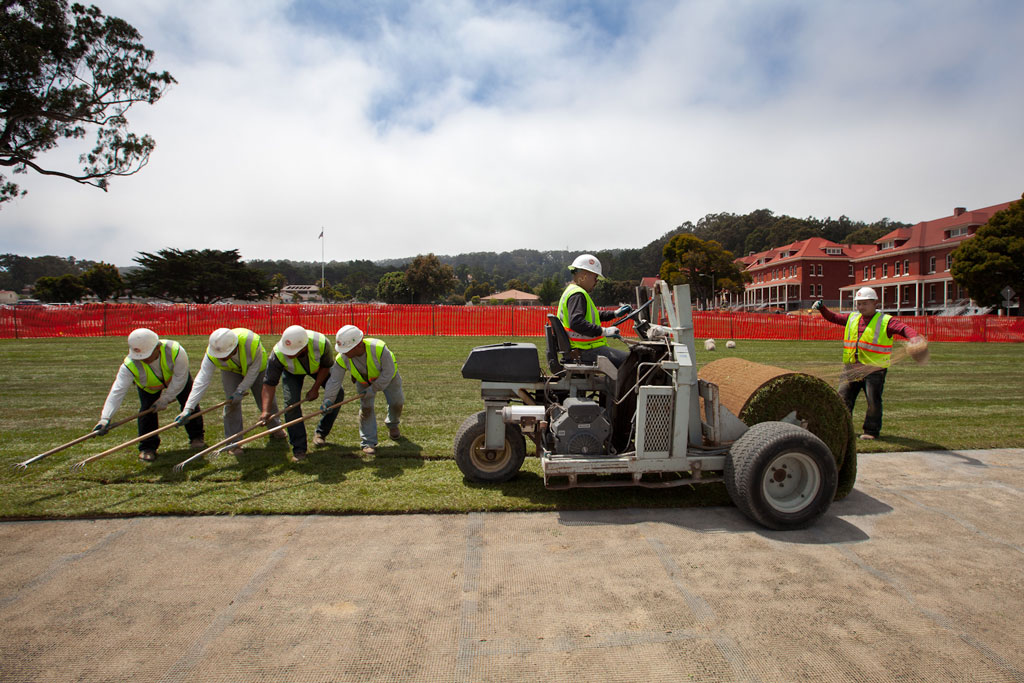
column 159, row 368
column 582, row 320
column 242, row 362
column 373, row 369
column 297, row 354
column 867, row 348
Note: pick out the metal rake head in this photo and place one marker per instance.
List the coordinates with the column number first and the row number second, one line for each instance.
column 21, row 465
column 78, row 466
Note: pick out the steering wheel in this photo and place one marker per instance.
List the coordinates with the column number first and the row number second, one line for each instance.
column 635, row 313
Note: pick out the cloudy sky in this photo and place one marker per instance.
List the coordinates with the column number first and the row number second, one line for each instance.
column 403, row 128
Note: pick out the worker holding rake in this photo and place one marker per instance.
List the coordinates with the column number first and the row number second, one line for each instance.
column 159, row 369
column 373, row 369
column 299, row 352
column 867, row 351
column 242, row 361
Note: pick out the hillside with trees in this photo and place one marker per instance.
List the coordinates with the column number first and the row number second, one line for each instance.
column 463, row 277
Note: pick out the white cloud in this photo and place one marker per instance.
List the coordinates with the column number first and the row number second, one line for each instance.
column 509, row 128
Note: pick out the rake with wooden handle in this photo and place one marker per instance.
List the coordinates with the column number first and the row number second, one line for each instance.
column 83, row 463
column 80, row 439
column 292, row 422
column 181, row 465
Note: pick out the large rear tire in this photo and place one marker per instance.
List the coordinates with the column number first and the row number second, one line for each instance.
column 781, row 476
column 479, row 464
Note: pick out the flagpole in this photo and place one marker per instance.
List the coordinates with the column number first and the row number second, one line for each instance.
column 322, row 282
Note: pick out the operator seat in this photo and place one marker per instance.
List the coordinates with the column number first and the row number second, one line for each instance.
column 560, row 351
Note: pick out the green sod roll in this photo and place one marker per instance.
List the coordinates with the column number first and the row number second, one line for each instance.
column 760, row 393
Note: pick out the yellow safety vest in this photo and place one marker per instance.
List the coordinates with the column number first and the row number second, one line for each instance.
column 316, row 347
column 375, row 349
column 577, row 340
column 141, row 369
column 873, row 347
column 249, row 349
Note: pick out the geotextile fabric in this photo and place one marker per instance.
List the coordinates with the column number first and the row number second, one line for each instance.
column 760, row 393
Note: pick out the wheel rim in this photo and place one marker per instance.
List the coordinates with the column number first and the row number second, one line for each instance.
column 492, row 461
column 791, row 481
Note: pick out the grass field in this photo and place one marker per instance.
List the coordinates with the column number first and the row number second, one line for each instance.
column 51, row 391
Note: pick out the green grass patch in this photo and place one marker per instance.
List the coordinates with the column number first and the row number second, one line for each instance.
column 52, row 391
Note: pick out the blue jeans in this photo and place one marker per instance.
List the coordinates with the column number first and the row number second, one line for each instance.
column 872, row 385
column 292, row 385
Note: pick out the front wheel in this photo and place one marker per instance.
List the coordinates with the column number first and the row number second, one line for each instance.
column 479, row 464
column 781, row 476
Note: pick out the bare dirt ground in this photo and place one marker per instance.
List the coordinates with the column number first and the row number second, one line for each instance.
column 917, row 576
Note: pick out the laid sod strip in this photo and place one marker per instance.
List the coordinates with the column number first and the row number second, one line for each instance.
column 51, row 391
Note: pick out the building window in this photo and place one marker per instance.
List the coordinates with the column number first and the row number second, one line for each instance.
column 866, row 271
column 949, row 260
column 885, row 270
column 906, row 267
column 931, row 294
column 874, row 272
column 906, row 294
column 896, row 269
column 834, row 251
column 851, row 270
column 931, row 265
column 820, row 270
column 956, row 232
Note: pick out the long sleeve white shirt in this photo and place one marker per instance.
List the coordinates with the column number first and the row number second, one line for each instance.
column 125, row 380
column 207, row 370
column 339, row 372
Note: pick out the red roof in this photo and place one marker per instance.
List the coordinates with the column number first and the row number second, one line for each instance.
column 933, row 233
column 814, row 247
column 511, row 294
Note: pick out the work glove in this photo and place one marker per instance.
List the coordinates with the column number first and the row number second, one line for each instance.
column 235, row 399
column 162, row 403
column 102, row 426
column 816, row 306
column 623, row 310
column 326, row 404
column 183, row 418
column 610, row 331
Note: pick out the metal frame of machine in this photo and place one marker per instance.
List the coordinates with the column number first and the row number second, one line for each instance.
column 679, row 433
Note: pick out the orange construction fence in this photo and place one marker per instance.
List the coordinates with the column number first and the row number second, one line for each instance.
column 101, row 320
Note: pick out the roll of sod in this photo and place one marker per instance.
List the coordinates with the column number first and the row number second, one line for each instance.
column 758, row 393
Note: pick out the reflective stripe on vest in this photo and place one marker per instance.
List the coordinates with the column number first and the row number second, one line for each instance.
column 140, row 368
column 375, row 349
column 873, row 346
column 577, row 340
column 249, row 349
column 315, row 349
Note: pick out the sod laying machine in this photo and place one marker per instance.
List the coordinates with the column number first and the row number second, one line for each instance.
column 782, row 442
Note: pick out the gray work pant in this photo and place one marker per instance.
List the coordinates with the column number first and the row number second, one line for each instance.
column 233, row 413
column 395, row 397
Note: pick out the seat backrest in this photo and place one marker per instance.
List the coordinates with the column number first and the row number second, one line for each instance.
column 559, row 347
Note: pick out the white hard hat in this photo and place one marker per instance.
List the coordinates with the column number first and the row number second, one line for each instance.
column 222, row 343
column 587, row 262
column 293, row 340
column 347, row 338
column 865, row 294
column 141, row 343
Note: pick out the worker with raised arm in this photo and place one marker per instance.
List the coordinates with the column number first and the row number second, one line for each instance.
column 159, row 369
column 298, row 354
column 867, row 349
column 373, row 369
column 242, row 361
column 582, row 320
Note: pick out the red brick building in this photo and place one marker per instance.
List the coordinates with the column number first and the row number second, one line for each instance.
column 909, row 268
column 798, row 274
